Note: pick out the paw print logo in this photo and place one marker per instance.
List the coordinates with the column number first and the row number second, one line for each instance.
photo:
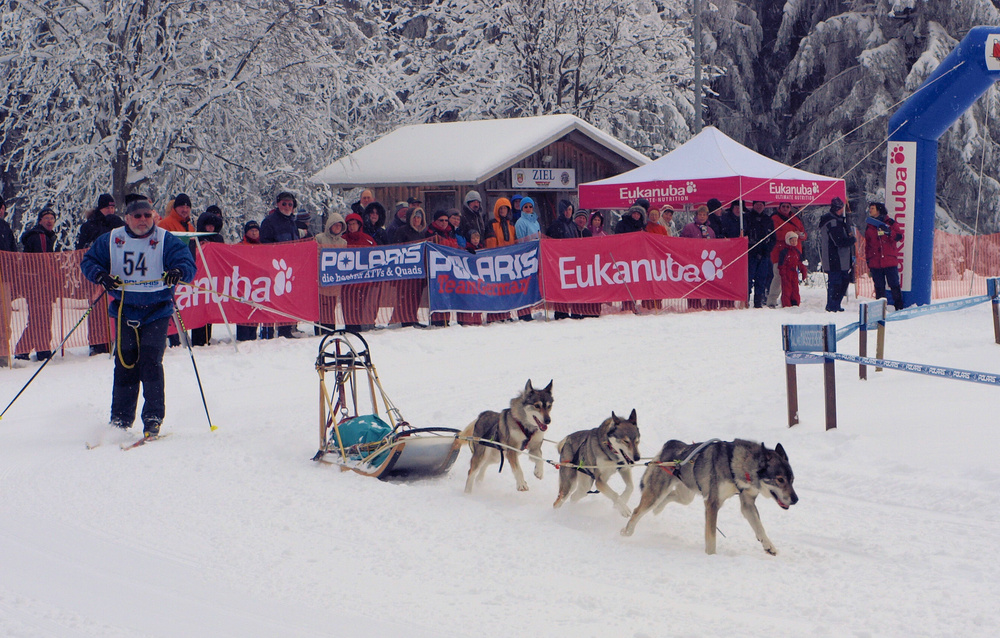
column 283, row 280
column 711, row 267
column 815, row 187
column 691, row 187
column 896, row 155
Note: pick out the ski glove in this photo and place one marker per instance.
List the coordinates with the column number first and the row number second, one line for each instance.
column 109, row 282
column 172, row 277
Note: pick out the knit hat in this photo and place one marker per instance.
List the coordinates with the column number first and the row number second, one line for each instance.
column 525, row 201
column 438, row 214
column 281, row 196
column 45, row 211
column 643, row 202
column 714, row 205
column 182, row 200
column 212, row 210
column 637, row 209
column 836, row 204
column 473, row 196
column 516, row 198
column 138, row 206
column 580, row 213
column 103, row 201
column 250, row 225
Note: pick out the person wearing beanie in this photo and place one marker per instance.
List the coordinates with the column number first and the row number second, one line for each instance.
column 440, row 230
column 527, row 226
column 882, row 237
column 580, row 218
column 37, row 335
column 142, row 300
column 99, row 220
column 251, row 233
column 178, row 220
column 474, row 217
column 715, row 216
column 836, row 250
column 398, row 220
column 633, row 221
column 515, row 207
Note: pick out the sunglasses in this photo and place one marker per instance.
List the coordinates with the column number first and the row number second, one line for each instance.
column 142, row 215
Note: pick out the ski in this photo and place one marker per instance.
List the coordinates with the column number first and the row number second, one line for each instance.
column 144, row 440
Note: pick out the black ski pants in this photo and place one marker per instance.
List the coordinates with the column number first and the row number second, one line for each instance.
column 142, row 346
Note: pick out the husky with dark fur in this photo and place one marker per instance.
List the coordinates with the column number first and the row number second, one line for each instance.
column 519, row 427
column 589, row 458
column 720, row 470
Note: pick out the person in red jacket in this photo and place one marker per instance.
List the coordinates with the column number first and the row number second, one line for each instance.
column 440, row 231
column 785, row 221
column 789, row 267
column 882, row 237
column 354, row 235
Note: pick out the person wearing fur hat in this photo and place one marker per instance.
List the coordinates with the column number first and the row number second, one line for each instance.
column 415, row 228
column 633, row 221
column 836, row 249
column 36, row 283
column 596, row 224
column 98, row 220
column 527, row 226
column 374, row 219
column 882, row 237
column 178, row 220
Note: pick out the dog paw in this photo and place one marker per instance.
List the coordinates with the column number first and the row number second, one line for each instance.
column 771, row 549
column 626, row 531
column 624, row 510
column 539, row 472
column 522, row 487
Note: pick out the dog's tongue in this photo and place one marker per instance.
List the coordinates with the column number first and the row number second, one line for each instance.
column 541, row 426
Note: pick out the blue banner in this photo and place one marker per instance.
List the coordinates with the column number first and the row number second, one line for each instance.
column 379, row 263
column 495, row 280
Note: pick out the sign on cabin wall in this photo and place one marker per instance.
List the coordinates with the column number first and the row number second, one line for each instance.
column 548, row 178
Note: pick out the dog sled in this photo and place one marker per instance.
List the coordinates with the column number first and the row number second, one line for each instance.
column 360, row 429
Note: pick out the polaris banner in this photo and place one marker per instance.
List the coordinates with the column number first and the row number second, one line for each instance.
column 495, row 280
column 278, row 276
column 339, row 266
column 640, row 266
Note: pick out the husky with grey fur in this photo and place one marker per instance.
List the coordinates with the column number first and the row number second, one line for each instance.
column 589, row 458
column 520, row 427
column 720, row 470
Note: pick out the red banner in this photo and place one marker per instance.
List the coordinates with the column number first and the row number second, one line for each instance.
column 284, row 277
column 643, row 266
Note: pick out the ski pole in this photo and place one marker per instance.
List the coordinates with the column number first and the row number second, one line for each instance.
column 90, row 308
column 179, row 324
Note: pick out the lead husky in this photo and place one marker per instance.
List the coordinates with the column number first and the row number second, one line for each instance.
column 590, row 457
column 519, row 427
column 720, row 470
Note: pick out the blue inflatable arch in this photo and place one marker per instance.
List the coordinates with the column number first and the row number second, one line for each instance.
column 911, row 165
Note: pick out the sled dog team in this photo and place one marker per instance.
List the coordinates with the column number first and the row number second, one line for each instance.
column 715, row 470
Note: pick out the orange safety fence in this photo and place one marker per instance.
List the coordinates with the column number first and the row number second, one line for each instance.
column 962, row 263
column 42, row 296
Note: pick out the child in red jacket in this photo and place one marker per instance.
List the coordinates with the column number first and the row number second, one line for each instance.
column 789, row 267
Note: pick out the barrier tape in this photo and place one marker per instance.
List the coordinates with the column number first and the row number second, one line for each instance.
column 915, row 311
column 918, row 368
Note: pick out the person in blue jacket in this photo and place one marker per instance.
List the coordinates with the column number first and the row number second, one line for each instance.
column 527, row 226
column 139, row 264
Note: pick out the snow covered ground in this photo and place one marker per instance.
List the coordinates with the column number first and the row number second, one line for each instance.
column 237, row 533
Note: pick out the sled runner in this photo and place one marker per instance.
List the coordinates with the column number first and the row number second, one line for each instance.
column 360, row 429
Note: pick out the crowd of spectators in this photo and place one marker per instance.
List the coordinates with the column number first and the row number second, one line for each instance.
column 775, row 238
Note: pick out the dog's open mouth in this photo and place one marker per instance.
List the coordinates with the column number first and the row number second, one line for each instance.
column 541, row 426
column 781, row 503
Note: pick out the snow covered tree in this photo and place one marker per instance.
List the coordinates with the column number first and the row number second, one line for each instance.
column 229, row 101
column 623, row 65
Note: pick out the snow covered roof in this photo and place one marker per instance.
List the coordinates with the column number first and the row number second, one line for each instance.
column 459, row 152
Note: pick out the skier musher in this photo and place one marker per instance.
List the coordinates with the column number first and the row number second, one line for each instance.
column 139, row 264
